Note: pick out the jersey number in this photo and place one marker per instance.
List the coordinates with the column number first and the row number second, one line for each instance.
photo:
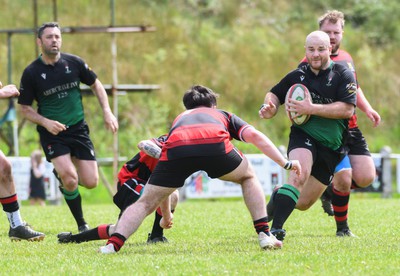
column 62, row 95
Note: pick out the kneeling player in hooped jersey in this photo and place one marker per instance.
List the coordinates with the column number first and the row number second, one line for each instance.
column 132, row 179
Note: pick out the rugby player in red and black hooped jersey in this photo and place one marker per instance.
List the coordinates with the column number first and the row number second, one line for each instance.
column 357, row 170
column 202, row 131
column 200, row 139
column 132, row 179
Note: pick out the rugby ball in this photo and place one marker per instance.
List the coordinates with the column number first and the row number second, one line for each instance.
column 297, row 92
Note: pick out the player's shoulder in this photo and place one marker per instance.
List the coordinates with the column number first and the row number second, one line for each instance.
column 342, row 55
column 31, row 71
column 33, row 65
column 344, row 71
column 303, row 61
column 298, row 73
column 340, row 67
column 71, row 57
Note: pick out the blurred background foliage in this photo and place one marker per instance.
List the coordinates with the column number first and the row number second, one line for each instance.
column 240, row 49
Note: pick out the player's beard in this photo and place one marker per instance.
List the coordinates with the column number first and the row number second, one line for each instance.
column 53, row 50
column 335, row 48
column 318, row 64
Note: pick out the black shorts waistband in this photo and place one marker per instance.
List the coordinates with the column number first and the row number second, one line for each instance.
column 78, row 125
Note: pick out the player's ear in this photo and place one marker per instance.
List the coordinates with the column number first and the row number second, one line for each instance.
column 38, row 42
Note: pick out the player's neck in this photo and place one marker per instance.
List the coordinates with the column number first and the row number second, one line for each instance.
column 322, row 68
column 50, row 59
column 335, row 53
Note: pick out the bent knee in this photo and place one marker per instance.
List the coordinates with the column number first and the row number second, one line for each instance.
column 303, row 206
column 364, row 178
column 364, row 181
column 5, row 166
column 89, row 185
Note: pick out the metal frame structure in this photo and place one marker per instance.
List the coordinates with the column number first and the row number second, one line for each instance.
column 113, row 89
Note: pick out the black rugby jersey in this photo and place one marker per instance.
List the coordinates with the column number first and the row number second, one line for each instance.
column 343, row 57
column 336, row 83
column 56, row 88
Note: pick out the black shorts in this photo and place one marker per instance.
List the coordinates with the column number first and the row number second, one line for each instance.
column 324, row 158
column 356, row 143
column 173, row 173
column 127, row 193
column 75, row 140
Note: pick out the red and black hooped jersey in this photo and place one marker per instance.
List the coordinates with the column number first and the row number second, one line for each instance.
column 344, row 58
column 202, row 131
column 139, row 168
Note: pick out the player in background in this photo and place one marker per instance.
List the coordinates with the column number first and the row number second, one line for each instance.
column 19, row 230
column 37, row 190
column 357, row 170
column 200, row 139
column 317, row 144
column 53, row 82
column 132, row 179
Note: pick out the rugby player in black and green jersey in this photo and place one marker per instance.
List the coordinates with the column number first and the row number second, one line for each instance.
column 357, row 169
column 317, row 144
column 53, row 81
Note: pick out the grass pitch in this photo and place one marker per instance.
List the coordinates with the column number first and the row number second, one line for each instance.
column 213, row 238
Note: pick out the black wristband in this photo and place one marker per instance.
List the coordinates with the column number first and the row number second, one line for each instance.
column 288, row 165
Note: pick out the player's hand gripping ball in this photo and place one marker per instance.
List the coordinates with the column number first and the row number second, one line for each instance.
column 297, row 92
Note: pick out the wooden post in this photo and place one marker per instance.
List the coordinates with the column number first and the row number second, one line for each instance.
column 386, row 172
column 114, row 91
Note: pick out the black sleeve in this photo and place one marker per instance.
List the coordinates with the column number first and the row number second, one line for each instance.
column 236, row 125
column 86, row 75
column 26, row 88
column 347, row 91
column 281, row 88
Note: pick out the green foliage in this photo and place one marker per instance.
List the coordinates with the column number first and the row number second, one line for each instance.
column 212, row 238
column 238, row 48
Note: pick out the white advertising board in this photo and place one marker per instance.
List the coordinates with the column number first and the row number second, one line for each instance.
column 21, row 172
column 199, row 185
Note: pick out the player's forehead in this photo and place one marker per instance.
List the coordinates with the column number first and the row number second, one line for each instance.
column 317, row 39
column 52, row 31
column 328, row 26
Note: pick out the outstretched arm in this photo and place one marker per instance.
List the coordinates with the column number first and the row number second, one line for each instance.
column 109, row 119
column 8, row 91
column 263, row 143
column 150, row 148
column 167, row 217
column 364, row 105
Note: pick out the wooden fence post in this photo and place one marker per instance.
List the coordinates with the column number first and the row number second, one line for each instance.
column 386, row 172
